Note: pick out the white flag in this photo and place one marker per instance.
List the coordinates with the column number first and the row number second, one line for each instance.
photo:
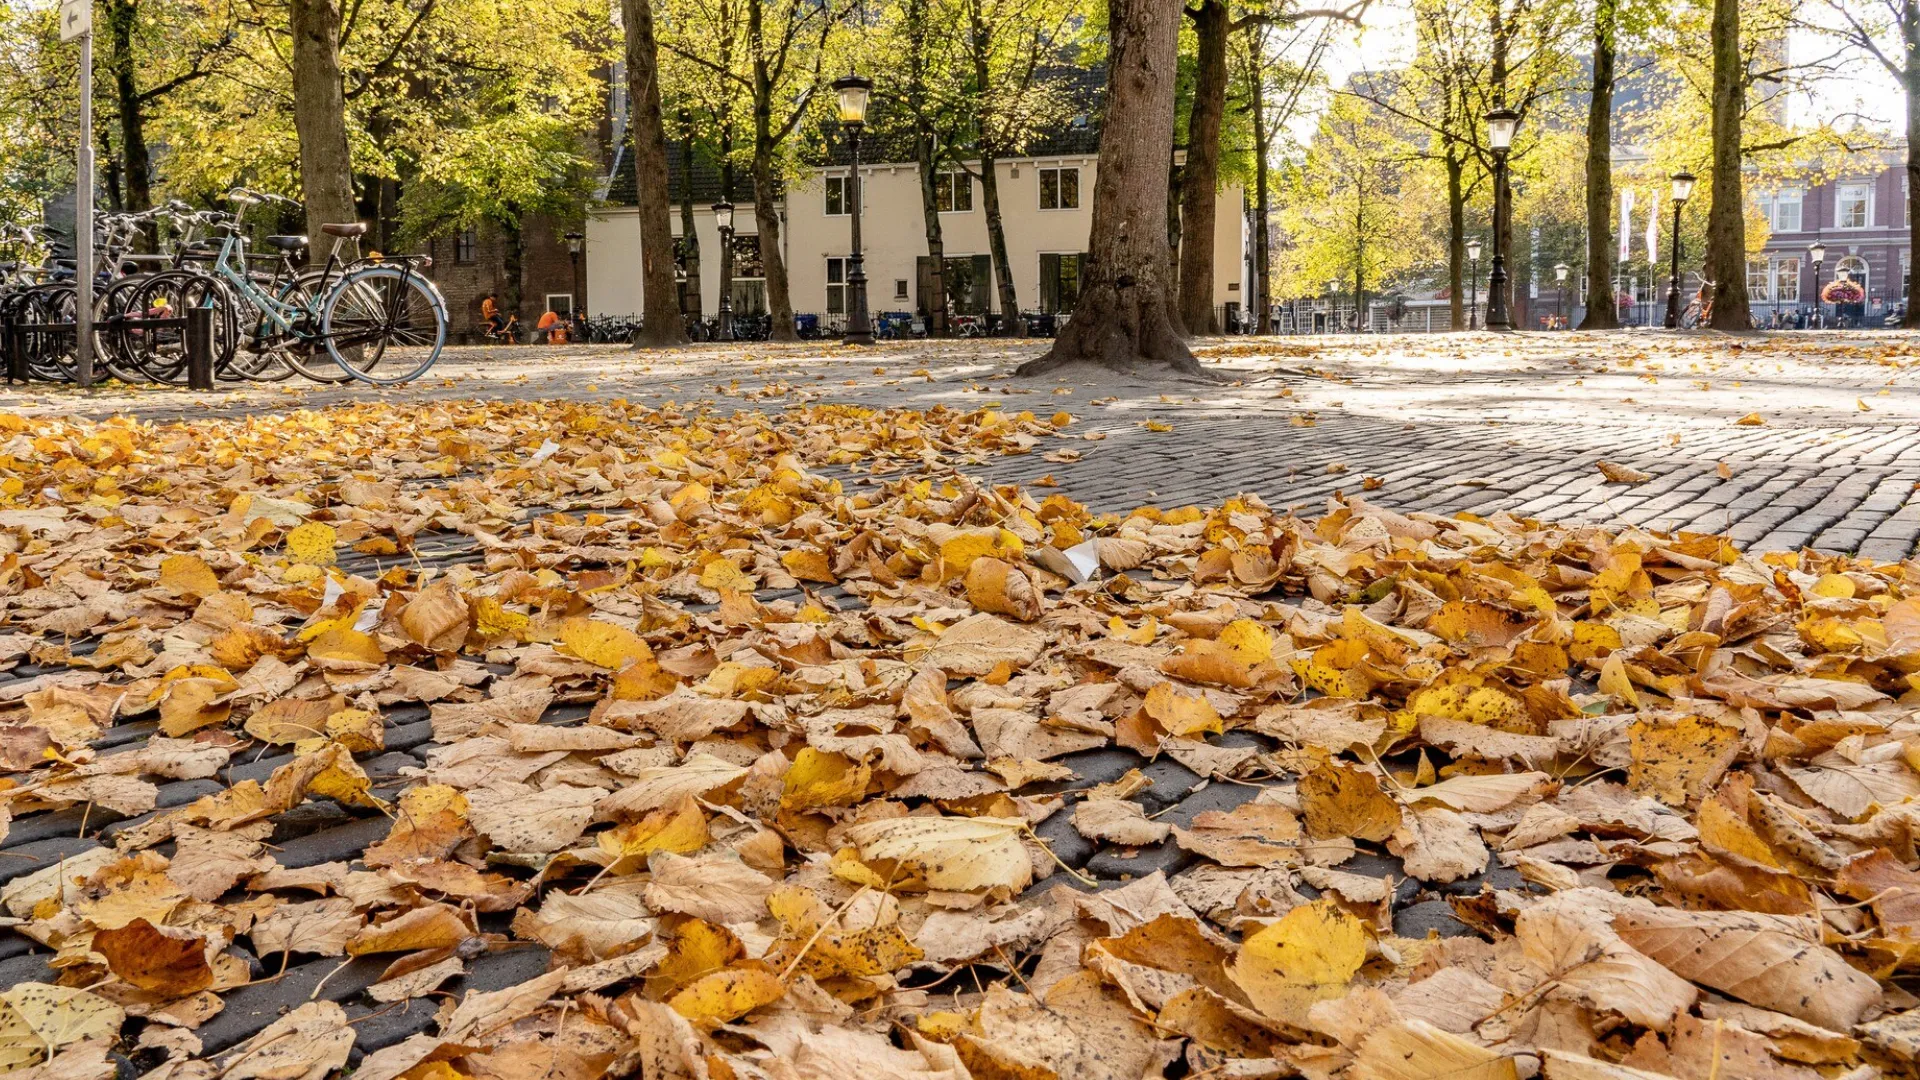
column 1626, row 224
column 1653, row 230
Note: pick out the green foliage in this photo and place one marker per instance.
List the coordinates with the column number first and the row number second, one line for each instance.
column 1357, row 203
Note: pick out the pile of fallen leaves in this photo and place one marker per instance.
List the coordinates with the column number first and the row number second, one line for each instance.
column 786, row 747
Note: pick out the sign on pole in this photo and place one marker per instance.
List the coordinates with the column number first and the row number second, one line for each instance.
column 76, row 21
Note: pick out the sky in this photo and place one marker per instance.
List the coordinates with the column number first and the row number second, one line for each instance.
column 1387, row 40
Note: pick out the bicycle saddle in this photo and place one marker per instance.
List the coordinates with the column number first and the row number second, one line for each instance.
column 287, row 243
column 347, row 231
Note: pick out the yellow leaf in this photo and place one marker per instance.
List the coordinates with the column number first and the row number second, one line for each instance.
column 1674, row 760
column 187, row 575
column 1614, row 681
column 1837, row 586
column 1752, row 419
column 809, row 564
column 720, row 573
column 603, row 644
column 1311, row 954
column 1248, row 641
column 346, row 644
column 819, row 778
column 1182, row 714
column 727, row 995
column 962, row 854
column 959, row 551
column 1346, row 800
column 681, row 829
column 311, row 544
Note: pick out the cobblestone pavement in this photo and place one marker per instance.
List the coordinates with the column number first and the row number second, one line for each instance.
column 1780, row 441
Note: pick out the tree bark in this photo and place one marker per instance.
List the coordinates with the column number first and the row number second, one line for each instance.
column 766, row 183
column 997, row 242
column 136, row 162
column 936, row 239
column 690, row 302
column 1262, row 197
column 320, row 113
column 1123, row 318
column 512, row 262
column 660, row 325
column 1726, row 220
column 1910, row 82
column 1602, row 313
column 1200, row 187
column 1456, row 240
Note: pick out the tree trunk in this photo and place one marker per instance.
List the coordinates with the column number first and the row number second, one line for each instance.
column 936, row 240
column 1456, row 241
column 1262, row 198
column 997, row 243
column 1173, row 242
column 1123, row 318
column 137, row 164
column 766, row 217
column 1360, row 322
column 1910, row 81
column 320, row 113
column 660, row 323
column 690, row 302
column 1602, row 312
column 1199, row 189
column 1726, row 220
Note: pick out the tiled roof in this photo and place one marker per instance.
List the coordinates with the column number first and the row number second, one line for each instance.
column 706, row 179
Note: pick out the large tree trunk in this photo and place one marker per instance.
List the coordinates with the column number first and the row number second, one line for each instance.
column 320, row 113
column 1602, row 312
column 1123, row 318
column 1910, row 79
column 1726, row 220
column 513, row 262
column 766, row 217
column 997, row 243
column 660, row 324
column 1262, row 199
column 690, row 303
column 1199, row 189
column 136, row 162
column 936, row 240
column 1456, row 240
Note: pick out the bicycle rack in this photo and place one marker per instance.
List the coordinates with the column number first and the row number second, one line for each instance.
column 197, row 324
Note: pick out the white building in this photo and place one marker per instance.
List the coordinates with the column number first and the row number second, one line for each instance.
column 1046, row 203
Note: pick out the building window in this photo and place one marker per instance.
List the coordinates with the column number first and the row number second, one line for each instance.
column 1782, row 210
column 1059, row 282
column 1759, row 283
column 1786, row 281
column 748, row 296
column 836, row 286
column 838, row 187
column 953, row 192
column 900, row 288
column 559, row 302
column 1853, row 206
column 463, row 243
column 1060, row 189
column 969, row 281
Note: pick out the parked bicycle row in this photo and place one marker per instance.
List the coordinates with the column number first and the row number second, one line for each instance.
column 274, row 314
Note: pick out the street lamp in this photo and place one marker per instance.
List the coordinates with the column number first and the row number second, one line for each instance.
column 1817, row 251
column 576, row 243
column 1333, row 305
column 854, row 91
column 1501, row 124
column 1473, row 279
column 1682, row 191
column 723, row 218
column 1560, row 289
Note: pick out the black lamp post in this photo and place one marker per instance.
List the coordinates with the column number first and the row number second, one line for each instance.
column 1682, row 191
column 1560, row 290
column 1333, row 305
column 1817, row 251
column 576, row 243
column 723, row 218
column 854, row 90
column 1501, row 124
column 1473, row 284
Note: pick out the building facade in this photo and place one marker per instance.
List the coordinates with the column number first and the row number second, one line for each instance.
column 1046, row 204
column 1860, row 215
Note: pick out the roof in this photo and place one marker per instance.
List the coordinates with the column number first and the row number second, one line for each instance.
column 1076, row 134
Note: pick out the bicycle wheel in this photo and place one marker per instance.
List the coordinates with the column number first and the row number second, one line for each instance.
column 113, row 346
column 161, row 351
column 384, row 313
column 303, row 354
column 50, row 354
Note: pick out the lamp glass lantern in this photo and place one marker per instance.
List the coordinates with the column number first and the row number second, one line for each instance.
column 1501, row 124
column 1682, row 186
column 1473, row 250
column 1817, row 251
column 574, row 242
column 1560, row 271
column 854, row 91
column 723, row 216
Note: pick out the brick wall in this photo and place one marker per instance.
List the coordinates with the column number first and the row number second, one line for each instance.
column 546, row 267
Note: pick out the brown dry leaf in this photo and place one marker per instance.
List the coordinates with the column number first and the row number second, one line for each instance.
column 718, row 888
column 170, row 963
column 1080, row 1030
column 1415, row 1050
column 430, row 926
column 1773, row 961
column 1118, row 821
column 979, row 643
column 1340, row 800
column 958, row 854
column 1622, row 474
